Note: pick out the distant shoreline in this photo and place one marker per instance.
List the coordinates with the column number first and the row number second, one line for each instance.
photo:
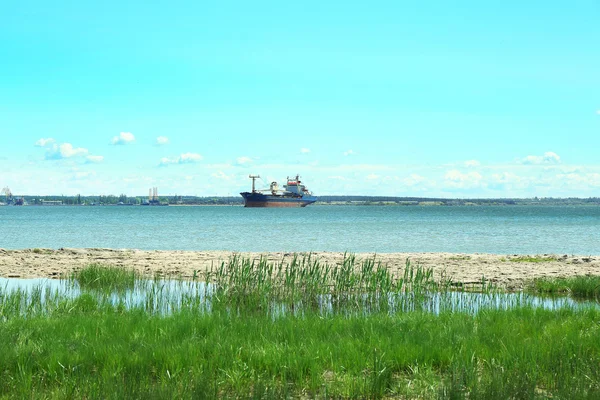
column 337, row 204
column 509, row 271
column 330, row 200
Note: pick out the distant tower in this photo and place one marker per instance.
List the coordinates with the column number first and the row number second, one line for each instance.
column 153, row 195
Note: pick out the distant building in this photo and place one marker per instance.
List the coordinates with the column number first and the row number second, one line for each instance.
column 52, row 202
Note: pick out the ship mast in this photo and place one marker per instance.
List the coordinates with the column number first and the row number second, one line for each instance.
column 253, row 177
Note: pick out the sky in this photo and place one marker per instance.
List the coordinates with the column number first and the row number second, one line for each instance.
column 464, row 99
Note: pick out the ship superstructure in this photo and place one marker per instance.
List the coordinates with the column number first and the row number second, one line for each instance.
column 9, row 199
column 293, row 194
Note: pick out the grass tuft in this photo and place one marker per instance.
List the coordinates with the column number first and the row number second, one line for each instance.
column 530, row 259
column 105, row 277
column 582, row 287
column 257, row 284
column 41, row 251
column 460, row 257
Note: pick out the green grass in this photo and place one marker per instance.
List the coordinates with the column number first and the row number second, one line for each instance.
column 583, row 287
column 91, row 346
column 88, row 352
column 251, row 282
column 460, row 258
column 530, row 259
column 105, row 277
column 41, row 251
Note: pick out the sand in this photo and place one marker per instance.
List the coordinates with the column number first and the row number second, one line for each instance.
column 502, row 270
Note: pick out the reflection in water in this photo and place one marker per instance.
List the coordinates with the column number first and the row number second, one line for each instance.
column 164, row 297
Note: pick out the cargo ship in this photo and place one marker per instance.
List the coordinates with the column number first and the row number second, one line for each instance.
column 294, row 194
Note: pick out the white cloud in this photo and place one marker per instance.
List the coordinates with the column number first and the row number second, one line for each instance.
column 190, row 158
column 549, row 157
column 83, row 175
column 222, row 175
column 162, row 140
column 455, row 175
column 598, row 112
column 220, row 166
column 123, row 138
column 64, row 150
column 413, row 179
column 573, row 168
column 466, row 177
column 67, row 150
column 185, row 158
column 304, row 150
column 44, row 142
column 472, row 163
column 579, row 181
column 594, row 179
column 506, row 177
column 244, row 160
column 95, row 159
column 350, row 153
column 458, row 180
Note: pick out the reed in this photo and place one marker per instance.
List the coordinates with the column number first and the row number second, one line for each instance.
column 305, row 280
column 296, row 330
column 105, row 277
column 582, row 287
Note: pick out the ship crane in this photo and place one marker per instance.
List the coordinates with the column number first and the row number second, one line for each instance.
column 6, row 191
column 19, row 201
column 253, row 177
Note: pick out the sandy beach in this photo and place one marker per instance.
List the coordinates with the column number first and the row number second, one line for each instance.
column 509, row 271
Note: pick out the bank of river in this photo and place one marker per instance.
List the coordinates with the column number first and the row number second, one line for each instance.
column 509, row 271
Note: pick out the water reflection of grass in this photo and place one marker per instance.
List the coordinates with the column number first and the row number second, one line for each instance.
column 91, row 346
column 583, row 287
column 256, row 284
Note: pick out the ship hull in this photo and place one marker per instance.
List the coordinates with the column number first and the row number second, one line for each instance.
column 264, row 200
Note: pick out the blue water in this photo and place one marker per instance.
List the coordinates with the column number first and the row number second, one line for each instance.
column 486, row 229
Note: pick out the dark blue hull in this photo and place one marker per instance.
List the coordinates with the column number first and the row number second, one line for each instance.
column 266, row 200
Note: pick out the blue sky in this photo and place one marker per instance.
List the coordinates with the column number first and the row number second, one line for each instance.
column 451, row 99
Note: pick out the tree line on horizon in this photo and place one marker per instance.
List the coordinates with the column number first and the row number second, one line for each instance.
column 332, row 200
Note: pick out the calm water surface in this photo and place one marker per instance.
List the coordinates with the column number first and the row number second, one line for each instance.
column 166, row 296
column 488, row 229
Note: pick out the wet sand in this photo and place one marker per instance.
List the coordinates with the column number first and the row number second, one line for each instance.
column 509, row 271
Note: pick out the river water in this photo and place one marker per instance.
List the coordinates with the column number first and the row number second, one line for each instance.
column 382, row 229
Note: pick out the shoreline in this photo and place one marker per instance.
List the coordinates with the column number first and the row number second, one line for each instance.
column 509, row 271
